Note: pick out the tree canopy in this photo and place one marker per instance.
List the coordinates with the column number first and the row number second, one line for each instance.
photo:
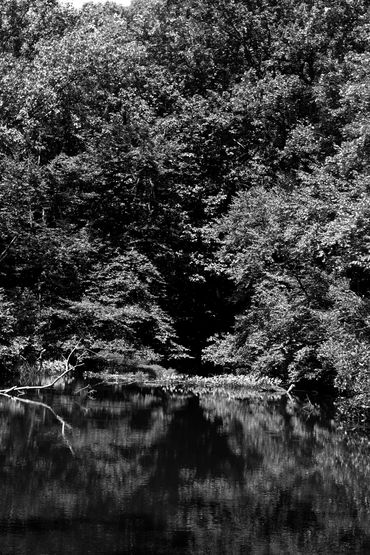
column 188, row 180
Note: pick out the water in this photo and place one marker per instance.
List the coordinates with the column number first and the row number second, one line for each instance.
column 147, row 473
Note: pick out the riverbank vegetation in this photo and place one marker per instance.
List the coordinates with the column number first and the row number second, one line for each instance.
column 170, row 382
column 187, row 183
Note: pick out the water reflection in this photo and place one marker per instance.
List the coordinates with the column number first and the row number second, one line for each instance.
column 146, row 473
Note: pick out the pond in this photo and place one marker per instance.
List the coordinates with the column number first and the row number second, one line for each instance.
column 145, row 472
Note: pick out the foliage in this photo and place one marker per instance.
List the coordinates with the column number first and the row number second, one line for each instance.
column 172, row 168
column 149, row 377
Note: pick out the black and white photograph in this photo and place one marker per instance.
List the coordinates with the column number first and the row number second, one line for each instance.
column 184, row 277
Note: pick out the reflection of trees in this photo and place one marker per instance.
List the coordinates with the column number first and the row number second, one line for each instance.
column 179, row 475
column 300, row 491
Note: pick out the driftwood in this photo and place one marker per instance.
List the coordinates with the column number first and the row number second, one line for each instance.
column 22, row 388
column 40, row 404
column 16, row 392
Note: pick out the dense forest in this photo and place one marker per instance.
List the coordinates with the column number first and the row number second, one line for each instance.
column 187, row 182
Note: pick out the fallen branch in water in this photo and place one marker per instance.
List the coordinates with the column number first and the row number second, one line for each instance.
column 63, row 423
column 13, row 393
column 68, row 368
column 39, row 404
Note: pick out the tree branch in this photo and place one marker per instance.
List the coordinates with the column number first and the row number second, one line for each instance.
column 21, row 388
column 63, row 423
column 39, row 404
column 3, row 254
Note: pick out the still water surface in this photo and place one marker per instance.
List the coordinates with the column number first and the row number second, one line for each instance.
column 146, row 473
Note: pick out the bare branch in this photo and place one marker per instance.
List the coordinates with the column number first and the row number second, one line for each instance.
column 39, row 404
column 63, row 423
column 3, row 254
column 22, row 388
